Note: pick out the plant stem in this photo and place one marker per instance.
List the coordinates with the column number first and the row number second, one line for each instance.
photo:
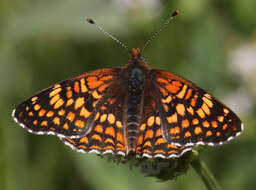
column 205, row 174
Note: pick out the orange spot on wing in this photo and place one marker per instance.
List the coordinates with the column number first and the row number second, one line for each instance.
column 58, row 104
column 79, row 102
column 172, row 119
column 97, row 116
column 158, row 133
column 195, row 121
column 163, row 91
column 41, row 112
column 182, row 92
column 147, row 143
column 109, row 140
column 93, row 83
column 30, row 113
column 84, row 112
column 176, row 83
column 193, row 102
column 98, row 128
column 225, row 126
column 34, row 99
column 110, row 131
column 83, row 86
column 180, row 109
column 214, row 124
column 54, row 92
column 95, row 147
column 102, row 87
column 49, row 114
column 218, row 133
column 70, row 116
column 147, row 151
column 167, row 100
column 76, row 87
column 161, row 80
column 54, row 99
column 37, row 107
column 149, row 134
column 81, row 147
column 84, row 140
column 119, row 124
column 79, row 124
column 172, row 146
column 56, row 121
column 70, row 102
column 151, row 121
column 109, row 148
column 189, row 92
column 185, row 123
column 69, row 94
column 200, row 113
column 91, row 78
column 190, row 110
column 111, row 118
column 61, row 112
column 221, row 118
column 208, row 102
column 206, row 124
column 120, row 137
column 206, row 109
column 35, row 122
column 159, row 151
column 174, row 130
column 106, row 78
column 159, row 141
column 225, row 110
column 44, row 123
column 208, row 133
column 187, row 134
column 143, row 127
column 96, row 95
column 173, row 152
column 197, row 130
column 139, row 141
column 172, row 88
column 65, row 126
column 96, row 137
column 158, row 121
column 103, row 118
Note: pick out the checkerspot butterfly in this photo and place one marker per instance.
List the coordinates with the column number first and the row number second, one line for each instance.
column 149, row 112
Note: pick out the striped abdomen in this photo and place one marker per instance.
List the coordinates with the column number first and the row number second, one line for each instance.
column 134, row 104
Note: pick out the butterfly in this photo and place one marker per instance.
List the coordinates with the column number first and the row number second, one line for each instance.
column 133, row 109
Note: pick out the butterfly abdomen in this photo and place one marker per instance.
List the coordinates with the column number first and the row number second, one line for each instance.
column 134, row 101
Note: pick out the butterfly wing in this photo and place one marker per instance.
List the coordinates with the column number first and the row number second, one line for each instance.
column 67, row 108
column 189, row 115
column 150, row 141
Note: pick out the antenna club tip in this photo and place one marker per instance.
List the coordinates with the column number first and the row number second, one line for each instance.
column 89, row 20
column 176, row 13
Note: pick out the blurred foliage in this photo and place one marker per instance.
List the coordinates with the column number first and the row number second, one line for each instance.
column 42, row 42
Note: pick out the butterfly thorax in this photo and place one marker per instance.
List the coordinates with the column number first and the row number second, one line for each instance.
column 136, row 74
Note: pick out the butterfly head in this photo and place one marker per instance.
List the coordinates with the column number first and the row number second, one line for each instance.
column 136, row 58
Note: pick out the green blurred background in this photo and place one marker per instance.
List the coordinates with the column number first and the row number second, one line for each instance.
column 212, row 43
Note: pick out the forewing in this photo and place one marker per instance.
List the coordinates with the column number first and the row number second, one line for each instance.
column 66, row 108
column 189, row 114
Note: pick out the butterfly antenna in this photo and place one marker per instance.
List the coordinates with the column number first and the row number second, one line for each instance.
column 175, row 13
column 89, row 20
